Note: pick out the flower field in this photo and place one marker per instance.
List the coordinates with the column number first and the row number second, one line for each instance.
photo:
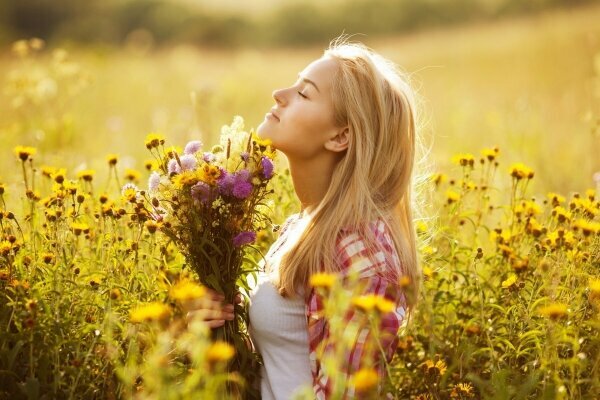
column 92, row 294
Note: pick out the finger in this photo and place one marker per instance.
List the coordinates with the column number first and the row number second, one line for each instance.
column 216, row 323
column 208, row 314
column 228, row 307
column 215, row 295
column 238, row 298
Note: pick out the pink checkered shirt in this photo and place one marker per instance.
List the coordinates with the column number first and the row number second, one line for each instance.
column 376, row 275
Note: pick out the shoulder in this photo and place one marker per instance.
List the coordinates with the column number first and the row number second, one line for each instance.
column 368, row 251
column 288, row 222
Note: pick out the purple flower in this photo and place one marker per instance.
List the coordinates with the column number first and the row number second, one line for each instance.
column 225, row 183
column 267, row 167
column 243, row 238
column 241, row 185
column 208, row 157
column 153, row 181
column 242, row 189
column 236, row 184
column 192, row 147
column 201, row 192
column 188, row 162
column 173, row 167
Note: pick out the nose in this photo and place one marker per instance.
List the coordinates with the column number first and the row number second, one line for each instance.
column 278, row 96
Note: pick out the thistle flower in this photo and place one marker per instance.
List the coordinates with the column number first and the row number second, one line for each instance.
column 208, row 157
column 241, row 187
column 243, row 238
column 267, row 167
column 188, row 162
column 173, row 167
column 153, row 181
column 192, row 147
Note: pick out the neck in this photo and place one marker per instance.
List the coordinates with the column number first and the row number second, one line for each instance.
column 311, row 181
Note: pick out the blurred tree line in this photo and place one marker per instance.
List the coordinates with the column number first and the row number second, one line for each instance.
column 289, row 23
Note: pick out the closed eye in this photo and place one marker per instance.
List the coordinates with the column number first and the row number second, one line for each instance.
column 302, row 95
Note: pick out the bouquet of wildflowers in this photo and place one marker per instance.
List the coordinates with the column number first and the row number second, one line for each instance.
column 210, row 204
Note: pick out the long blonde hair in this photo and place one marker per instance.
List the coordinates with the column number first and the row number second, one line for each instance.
column 373, row 179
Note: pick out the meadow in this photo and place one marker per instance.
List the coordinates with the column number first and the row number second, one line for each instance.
column 509, row 226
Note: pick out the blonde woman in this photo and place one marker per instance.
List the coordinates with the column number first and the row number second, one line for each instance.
column 347, row 127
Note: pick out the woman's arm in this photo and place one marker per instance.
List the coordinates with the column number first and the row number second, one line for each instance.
column 364, row 335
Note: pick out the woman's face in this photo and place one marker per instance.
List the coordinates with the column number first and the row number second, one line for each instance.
column 301, row 124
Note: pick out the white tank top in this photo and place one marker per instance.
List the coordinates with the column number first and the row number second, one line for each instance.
column 278, row 326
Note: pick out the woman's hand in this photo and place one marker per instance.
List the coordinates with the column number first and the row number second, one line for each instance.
column 211, row 309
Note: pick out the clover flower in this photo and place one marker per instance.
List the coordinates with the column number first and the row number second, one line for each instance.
column 192, row 147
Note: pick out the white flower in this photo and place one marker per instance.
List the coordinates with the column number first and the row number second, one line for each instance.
column 192, row 147
column 188, row 162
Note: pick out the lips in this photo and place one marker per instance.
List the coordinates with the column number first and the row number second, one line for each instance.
column 275, row 114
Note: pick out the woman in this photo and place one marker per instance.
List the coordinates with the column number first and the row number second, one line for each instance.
column 347, row 127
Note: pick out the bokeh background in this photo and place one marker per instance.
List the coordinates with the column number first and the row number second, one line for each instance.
column 520, row 75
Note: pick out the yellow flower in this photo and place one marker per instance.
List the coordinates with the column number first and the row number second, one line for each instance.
column 154, row 311
column 186, row 178
column 132, row 175
column 79, row 227
column 209, row 174
column 421, row 227
column 439, row 178
column 219, row 351
column 186, row 290
column 520, row 171
column 428, row 272
column 462, row 390
column 554, row 310
column 490, row 154
column 152, row 226
column 322, row 279
column 561, row 214
column 594, row 286
column 509, row 282
column 24, row 152
column 151, row 165
column 452, row 196
column 59, row 175
column 154, row 140
column 48, row 171
column 464, row 160
column 435, row 368
column 365, row 379
column 587, row 227
column 533, row 227
column 590, row 194
column 261, row 141
column 112, row 159
column 556, row 199
column 373, row 302
column 87, row 175
column 527, row 207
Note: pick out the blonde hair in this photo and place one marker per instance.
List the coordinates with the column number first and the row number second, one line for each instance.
column 373, row 179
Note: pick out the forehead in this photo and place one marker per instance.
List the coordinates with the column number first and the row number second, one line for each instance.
column 320, row 71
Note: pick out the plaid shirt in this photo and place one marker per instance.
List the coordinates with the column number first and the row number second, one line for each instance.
column 375, row 276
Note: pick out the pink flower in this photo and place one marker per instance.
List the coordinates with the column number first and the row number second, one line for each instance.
column 192, row 147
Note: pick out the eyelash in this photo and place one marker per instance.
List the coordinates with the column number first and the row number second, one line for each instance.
column 302, row 95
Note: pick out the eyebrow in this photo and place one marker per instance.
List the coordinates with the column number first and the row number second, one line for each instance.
column 311, row 82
